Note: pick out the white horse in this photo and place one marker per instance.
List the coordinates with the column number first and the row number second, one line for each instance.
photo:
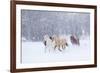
column 49, row 43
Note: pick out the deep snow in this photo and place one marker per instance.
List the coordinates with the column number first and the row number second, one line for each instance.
column 34, row 52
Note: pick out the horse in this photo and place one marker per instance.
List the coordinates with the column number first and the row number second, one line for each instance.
column 74, row 40
column 48, row 42
column 60, row 43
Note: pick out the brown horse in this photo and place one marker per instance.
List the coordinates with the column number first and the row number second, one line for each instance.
column 60, row 43
column 74, row 40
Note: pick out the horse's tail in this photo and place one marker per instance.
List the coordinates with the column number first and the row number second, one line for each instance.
column 66, row 44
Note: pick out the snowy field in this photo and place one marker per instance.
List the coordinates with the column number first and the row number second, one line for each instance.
column 34, row 52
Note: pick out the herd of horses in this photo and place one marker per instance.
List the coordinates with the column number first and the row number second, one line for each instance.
column 56, row 42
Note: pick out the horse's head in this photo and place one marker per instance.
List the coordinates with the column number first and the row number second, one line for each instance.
column 46, row 37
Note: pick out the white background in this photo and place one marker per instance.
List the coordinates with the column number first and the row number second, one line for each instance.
column 5, row 36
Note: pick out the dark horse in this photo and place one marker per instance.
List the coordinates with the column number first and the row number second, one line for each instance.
column 74, row 40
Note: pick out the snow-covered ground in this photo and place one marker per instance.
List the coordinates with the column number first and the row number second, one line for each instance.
column 34, row 52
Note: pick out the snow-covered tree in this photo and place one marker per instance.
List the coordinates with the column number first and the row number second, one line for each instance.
column 37, row 23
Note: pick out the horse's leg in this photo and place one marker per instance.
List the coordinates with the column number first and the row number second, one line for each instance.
column 63, row 46
column 59, row 48
column 49, row 49
column 45, row 49
column 55, row 47
column 78, row 42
